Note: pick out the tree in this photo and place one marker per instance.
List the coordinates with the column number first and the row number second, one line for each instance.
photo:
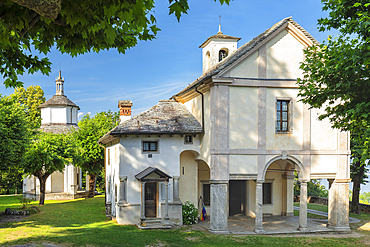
column 358, row 169
column 75, row 27
column 337, row 75
column 48, row 153
column 14, row 133
column 91, row 129
column 31, row 98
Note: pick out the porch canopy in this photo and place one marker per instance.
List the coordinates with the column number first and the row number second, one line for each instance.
column 152, row 174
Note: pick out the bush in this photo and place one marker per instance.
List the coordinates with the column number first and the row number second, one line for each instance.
column 189, row 213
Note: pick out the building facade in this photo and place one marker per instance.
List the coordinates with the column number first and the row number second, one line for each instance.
column 254, row 134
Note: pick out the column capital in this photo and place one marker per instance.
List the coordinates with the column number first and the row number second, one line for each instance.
column 303, row 181
column 214, row 181
column 260, row 181
column 122, row 178
column 176, row 177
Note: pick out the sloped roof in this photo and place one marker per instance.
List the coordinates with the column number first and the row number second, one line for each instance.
column 59, row 100
column 219, row 35
column 166, row 117
column 145, row 173
column 58, row 128
column 241, row 51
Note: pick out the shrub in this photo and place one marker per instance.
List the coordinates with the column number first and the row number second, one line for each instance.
column 24, row 202
column 189, row 213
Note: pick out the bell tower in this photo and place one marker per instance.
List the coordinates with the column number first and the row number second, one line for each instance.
column 59, row 83
column 216, row 48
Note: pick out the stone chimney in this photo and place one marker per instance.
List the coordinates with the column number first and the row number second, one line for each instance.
column 124, row 109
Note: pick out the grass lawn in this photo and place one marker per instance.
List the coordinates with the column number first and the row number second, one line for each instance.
column 313, row 206
column 83, row 222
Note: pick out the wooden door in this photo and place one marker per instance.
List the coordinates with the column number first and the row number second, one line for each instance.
column 237, row 197
column 150, row 200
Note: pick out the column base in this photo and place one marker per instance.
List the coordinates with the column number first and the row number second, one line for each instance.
column 342, row 228
column 220, row 231
column 259, row 230
column 303, row 229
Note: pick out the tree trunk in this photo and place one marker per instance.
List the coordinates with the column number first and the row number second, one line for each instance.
column 92, row 185
column 42, row 190
column 356, row 179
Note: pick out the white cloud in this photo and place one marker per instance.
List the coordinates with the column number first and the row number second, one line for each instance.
column 80, row 114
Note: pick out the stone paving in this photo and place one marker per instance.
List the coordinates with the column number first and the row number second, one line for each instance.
column 242, row 224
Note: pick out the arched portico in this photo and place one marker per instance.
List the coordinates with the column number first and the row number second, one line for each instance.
column 278, row 173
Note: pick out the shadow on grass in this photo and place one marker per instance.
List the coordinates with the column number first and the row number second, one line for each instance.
column 83, row 222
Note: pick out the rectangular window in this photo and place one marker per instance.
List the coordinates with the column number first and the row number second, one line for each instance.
column 282, row 115
column 267, row 193
column 150, row 146
column 207, row 194
column 188, row 139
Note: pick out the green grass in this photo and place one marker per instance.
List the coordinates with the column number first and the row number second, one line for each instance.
column 83, row 222
column 313, row 206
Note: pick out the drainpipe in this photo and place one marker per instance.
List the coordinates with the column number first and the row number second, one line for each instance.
column 196, row 90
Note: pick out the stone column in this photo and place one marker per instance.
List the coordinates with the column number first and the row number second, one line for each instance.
column 80, row 179
column 303, row 207
column 142, row 217
column 339, row 204
column 166, row 217
column 72, row 179
column 290, row 194
column 258, row 228
column 219, row 206
column 37, row 191
column 122, row 198
column 66, row 179
column 87, row 182
column 331, row 204
column 176, row 194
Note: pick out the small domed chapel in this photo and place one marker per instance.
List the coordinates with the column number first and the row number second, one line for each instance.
column 58, row 115
column 231, row 140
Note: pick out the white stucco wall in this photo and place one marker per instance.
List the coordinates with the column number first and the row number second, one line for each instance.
column 133, row 161
column 243, row 129
column 284, row 54
column 248, row 68
column 214, row 47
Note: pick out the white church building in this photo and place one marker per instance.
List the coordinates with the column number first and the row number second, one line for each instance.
column 233, row 139
column 58, row 115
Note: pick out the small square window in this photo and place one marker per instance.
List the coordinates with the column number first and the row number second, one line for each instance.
column 150, row 146
column 188, row 139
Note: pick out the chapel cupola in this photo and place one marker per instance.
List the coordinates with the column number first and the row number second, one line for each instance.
column 59, row 81
column 216, row 48
column 59, row 110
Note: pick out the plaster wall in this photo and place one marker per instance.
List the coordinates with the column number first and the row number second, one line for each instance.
column 188, row 183
column 248, row 68
column 195, row 107
column 57, row 182
column 284, row 54
column 204, row 176
column 243, row 115
column 45, row 115
column 243, row 164
column 58, row 114
column 322, row 140
column 251, row 198
column 277, row 190
column 292, row 140
column 167, row 159
column 324, row 164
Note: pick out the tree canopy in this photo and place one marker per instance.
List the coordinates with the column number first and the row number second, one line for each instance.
column 48, row 153
column 75, row 27
column 91, row 129
column 31, row 98
column 14, row 133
